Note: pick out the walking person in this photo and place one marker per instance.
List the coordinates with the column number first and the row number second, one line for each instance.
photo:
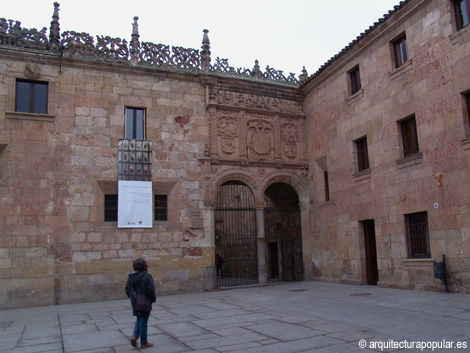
column 140, row 288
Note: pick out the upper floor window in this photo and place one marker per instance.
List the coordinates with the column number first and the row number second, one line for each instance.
column 467, row 113
column 409, row 136
column 417, row 235
column 362, row 154
column 462, row 13
column 135, row 123
column 355, row 80
column 400, row 50
column 31, row 96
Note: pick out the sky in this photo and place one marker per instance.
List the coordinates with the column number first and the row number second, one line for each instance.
column 284, row 34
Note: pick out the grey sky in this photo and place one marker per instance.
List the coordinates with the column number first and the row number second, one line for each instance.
column 285, row 35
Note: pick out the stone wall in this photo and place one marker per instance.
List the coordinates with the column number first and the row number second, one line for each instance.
column 429, row 85
column 57, row 167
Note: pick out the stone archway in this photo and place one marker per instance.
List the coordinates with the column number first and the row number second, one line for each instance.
column 283, row 233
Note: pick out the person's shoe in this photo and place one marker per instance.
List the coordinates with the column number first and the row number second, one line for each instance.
column 133, row 341
column 147, row 345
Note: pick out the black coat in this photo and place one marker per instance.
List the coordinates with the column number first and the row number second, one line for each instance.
column 142, row 282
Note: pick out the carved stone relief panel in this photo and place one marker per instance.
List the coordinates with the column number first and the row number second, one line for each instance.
column 227, row 133
column 289, row 140
column 260, row 140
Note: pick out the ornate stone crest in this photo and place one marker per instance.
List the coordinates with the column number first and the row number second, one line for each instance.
column 227, row 129
column 32, row 71
column 290, row 138
column 260, row 140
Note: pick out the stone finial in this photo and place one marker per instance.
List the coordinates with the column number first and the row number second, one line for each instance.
column 54, row 30
column 206, row 52
column 303, row 76
column 135, row 44
column 256, row 71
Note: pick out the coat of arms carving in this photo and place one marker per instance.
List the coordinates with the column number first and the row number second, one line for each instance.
column 290, row 138
column 260, row 140
column 227, row 129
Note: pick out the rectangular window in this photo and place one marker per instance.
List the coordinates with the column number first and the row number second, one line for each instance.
column 409, row 136
column 355, row 79
column 110, row 208
column 31, row 97
column 362, row 154
column 467, row 112
column 135, row 123
column 462, row 13
column 401, row 51
column 161, row 207
column 417, row 235
column 327, row 186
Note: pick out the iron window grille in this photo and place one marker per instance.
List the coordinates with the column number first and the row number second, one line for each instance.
column 327, row 186
column 362, row 154
column 110, row 208
column 409, row 137
column 161, row 207
column 31, row 96
column 135, row 123
column 417, row 234
column 462, row 13
column 355, row 79
column 400, row 49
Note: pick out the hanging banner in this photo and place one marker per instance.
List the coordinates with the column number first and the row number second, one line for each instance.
column 135, row 204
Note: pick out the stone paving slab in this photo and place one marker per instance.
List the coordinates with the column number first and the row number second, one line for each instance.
column 309, row 317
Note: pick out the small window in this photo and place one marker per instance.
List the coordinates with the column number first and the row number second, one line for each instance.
column 161, row 207
column 400, row 50
column 110, row 208
column 135, row 123
column 31, row 97
column 362, row 154
column 355, row 80
column 409, row 136
column 462, row 13
column 417, row 235
column 327, row 186
column 467, row 113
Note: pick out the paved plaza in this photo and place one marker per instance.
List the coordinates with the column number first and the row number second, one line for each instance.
column 295, row 317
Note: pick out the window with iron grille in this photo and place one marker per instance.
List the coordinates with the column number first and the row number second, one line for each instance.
column 135, row 123
column 462, row 13
column 409, row 136
column 31, row 96
column 355, row 79
column 400, row 50
column 110, row 208
column 327, row 186
column 417, row 234
column 362, row 154
column 161, row 207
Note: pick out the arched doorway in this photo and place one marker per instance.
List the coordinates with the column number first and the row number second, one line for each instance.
column 235, row 235
column 283, row 233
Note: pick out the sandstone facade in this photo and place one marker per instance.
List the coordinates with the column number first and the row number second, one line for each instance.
column 211, row 124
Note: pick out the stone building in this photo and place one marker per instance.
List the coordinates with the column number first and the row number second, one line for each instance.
column 355, row 174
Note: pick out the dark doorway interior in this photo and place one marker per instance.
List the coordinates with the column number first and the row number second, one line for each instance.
column 371, row 252
column 283, row 229
column 273, row 261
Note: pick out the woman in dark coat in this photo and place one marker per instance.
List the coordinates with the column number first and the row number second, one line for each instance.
column 140, row 288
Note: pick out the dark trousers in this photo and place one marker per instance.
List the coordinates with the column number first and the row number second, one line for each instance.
column 140, row 328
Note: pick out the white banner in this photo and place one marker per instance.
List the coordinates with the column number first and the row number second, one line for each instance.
column 135, row 204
